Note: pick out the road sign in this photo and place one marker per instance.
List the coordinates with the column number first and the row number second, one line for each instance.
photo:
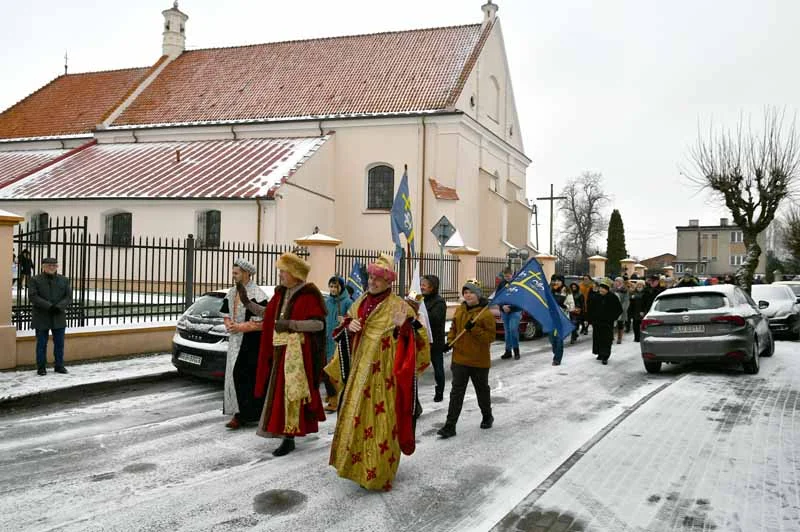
column 443, row 230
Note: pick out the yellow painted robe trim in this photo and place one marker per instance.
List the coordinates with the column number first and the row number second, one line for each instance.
column 296, row 390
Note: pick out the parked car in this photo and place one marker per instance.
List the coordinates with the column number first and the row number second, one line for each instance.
column 794, row 285
column 705, row 323
column 783, row 311
column 200, row 343
column 529, row 328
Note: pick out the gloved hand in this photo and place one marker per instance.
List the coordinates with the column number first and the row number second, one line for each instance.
column 469, row 325
column 447, row 348
column 282, row 325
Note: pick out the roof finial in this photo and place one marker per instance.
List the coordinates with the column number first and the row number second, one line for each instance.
column 489, row 11
column 175, row 4
column 65, row 62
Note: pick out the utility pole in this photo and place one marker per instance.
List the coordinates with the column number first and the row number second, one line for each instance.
column 552, row 199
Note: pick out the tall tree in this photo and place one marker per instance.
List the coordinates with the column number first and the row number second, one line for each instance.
column 790, row 238
column 752, row 172
column 615, row 242
column 582, row 214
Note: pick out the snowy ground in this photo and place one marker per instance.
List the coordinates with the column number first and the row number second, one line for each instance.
column 15, row 384
column 157, row 456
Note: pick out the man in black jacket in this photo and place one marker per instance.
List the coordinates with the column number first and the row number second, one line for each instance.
column 437, row 313
column 652, row 289
column 50, row 294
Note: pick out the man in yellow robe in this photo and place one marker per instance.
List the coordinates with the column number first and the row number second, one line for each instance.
column 382, row 347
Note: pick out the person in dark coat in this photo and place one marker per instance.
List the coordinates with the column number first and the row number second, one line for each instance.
column 650, row 292
column 604, row 310
column 25, row 269
column 577, row 313
column 635, row 309
column 437, row 314
column 50, row 294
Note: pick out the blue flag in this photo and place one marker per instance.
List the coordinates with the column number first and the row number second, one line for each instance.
column 530, row 291
column 402, row 223
column 355, row 280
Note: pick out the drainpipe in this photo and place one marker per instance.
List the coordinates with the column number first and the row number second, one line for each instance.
column 422, row 225
column 258, row 222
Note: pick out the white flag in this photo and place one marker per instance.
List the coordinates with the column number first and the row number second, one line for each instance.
column 423, row 312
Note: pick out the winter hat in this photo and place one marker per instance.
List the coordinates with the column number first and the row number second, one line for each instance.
column 605, row 281
column 474, row 286
column 382, row 268
column 245, row 265
column 556, row 277
column 294, row 265
column 50, row 260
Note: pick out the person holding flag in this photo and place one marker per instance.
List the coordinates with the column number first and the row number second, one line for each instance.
column 529, row 291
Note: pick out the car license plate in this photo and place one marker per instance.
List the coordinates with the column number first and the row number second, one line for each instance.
column 688, row 329
column 191, row 359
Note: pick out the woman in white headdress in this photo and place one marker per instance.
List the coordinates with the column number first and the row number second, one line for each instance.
column 242, row 310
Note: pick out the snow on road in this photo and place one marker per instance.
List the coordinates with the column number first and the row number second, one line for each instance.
column 157, row 456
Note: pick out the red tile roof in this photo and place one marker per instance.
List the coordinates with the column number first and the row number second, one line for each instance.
column 68, row 105
column 203, row 169
column 442, row 192
column 383, row 73
column 16, row 163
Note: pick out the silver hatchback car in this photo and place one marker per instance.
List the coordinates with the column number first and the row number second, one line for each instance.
column 709, row 323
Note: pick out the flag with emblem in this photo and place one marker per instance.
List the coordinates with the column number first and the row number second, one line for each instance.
column 356, row 280
column 402, row 222
column 530, row 291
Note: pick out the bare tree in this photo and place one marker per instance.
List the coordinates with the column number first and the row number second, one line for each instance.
column 790, row 237
column 582, row 212
column 752, row 172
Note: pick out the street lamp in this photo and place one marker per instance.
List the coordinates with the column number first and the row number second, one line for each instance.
column 514, row 253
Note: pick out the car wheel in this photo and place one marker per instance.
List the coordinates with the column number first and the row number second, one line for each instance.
column 771, row 349
column 652, row 366
column 531, row 331
column 751, row 366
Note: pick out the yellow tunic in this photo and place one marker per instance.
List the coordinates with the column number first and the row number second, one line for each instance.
column 365, row 446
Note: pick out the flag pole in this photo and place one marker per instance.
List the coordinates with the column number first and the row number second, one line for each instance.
column 459, row 335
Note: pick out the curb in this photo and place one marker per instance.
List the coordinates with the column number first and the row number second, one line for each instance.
column 68, row 393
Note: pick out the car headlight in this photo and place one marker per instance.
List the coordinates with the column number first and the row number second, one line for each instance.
column 218, row 330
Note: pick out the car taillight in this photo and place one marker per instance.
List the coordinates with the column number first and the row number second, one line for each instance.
column 736, row 355
column 733, row 320
column 647, row 322
column 648, row 355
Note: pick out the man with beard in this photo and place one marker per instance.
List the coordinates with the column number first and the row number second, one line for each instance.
column 242, row 310
column 291, row 357
column 382, row 349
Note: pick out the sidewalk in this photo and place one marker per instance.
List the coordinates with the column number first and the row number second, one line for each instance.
column 18, row 384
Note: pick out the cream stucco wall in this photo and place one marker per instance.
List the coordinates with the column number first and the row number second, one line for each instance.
column 687, row 244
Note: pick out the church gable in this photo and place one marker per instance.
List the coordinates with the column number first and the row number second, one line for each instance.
column 362, row 75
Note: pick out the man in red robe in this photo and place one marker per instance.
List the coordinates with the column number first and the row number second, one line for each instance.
column 291, row 357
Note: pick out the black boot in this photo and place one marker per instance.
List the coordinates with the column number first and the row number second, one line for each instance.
column 448, row 431
column 506, row 355
column 516, row 353
column 487, row 421
column 60, row 369
column 438, row 396
column 41, row 370
column 287, row 446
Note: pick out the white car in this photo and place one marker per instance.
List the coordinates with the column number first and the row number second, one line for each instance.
column 200, row 343
column 783, row 311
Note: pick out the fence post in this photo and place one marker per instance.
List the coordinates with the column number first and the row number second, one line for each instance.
column 188, row 287
column 467, row 265
column 548, row 263
column 321, row 257
column 8, row 333
column 597, row 266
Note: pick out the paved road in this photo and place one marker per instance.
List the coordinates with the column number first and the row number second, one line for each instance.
column 157, row 457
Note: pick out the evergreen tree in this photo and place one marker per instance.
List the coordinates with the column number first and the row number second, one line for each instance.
column 615, row 245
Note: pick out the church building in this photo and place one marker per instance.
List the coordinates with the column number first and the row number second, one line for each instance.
column 268, row 142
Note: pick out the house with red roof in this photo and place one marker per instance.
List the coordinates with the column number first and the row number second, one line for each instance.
column 265, row 143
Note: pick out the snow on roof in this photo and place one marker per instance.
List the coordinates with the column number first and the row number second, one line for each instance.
column 247, row 168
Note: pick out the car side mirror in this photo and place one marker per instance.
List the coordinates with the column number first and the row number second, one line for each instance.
column 798, row 299
column 763, row 304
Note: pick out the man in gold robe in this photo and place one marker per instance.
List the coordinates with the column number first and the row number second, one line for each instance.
column 382, row 348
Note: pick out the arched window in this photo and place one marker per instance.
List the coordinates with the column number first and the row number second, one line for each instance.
column 380, row 187
column 208, row 228
column 494, row 99
column 119, row 229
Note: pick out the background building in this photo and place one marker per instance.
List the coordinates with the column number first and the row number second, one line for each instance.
column 713, row 249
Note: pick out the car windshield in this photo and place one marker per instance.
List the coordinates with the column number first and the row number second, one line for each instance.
column 687, row 302
column 207, row 306
column 768, row 292
column 795, row 288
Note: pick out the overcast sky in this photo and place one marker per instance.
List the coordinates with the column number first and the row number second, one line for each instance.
column 612, row 86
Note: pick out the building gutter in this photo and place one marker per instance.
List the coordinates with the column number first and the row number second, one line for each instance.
column 422, row 225
column 258, row 219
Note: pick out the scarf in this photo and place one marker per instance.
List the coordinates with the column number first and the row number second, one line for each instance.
column 295, row 382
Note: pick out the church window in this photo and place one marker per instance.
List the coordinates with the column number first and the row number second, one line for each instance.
column 380, row 187
column 208, row 228
column 119, row 229
column 39, row 227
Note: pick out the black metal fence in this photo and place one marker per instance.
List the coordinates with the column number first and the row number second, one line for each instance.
column 490, row 269
column 148, row 279
column 446, row 268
